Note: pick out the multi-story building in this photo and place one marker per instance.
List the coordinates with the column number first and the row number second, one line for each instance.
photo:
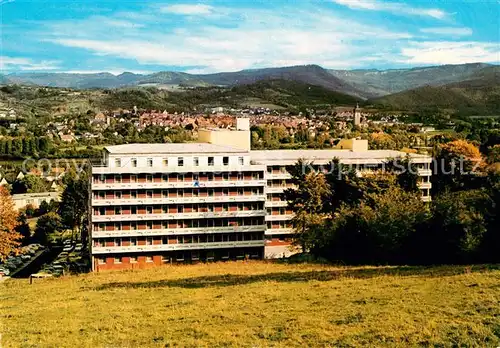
column 163, row 203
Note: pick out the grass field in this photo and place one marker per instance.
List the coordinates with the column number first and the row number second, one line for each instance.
column 256, row 304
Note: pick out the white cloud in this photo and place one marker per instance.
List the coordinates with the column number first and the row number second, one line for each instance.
column 393, row 7
column 449, row 52
column 25, row 64
column 188, row 10
column 260, row 38
column 448, row 31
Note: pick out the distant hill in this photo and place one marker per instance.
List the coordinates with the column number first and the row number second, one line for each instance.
column 363, row 84
column 480, row 94
column 375, row 83
column 268, row 93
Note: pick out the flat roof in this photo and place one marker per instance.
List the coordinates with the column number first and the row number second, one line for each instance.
column 170, row 148
column 270, row 156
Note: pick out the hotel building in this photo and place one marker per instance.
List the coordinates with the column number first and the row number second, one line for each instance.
column 154, row 204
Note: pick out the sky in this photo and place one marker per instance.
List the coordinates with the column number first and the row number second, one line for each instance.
column 208, row 36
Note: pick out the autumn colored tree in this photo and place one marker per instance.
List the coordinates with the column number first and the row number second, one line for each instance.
column 455, row 166
column 9, row 238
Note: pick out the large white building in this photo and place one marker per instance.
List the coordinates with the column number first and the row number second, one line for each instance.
column 163, row 203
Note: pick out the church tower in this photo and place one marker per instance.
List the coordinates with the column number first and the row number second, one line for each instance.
column 357, row 115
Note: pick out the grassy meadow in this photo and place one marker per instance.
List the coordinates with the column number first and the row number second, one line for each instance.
column 256, row 304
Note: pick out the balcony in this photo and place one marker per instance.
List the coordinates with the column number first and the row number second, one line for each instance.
column 424, row 172
column 271, row 176
column 276, row 231
column 283, row 217
column 177, row 169
column 278, row 189
column 177, row 184
column 177, row 231
column 270, row 204
column 177, row 216
column 424, row 185
column 177, row 200
column 175, row 247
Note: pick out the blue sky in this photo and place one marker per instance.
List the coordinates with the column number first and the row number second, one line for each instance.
column 210, row 36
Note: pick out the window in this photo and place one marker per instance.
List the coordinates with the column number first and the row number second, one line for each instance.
column 225, row 207
column 180, row 209
column 133, row 241
column 225, row 176
column 211, row 161
column 117, row 260
column 149, row 258
column 133, row 194
column 118, row 211
column 149, row 241
column 196, row 161
column 149, row 210
column 240, row 176
column 133, row 226
column 117, row 226
column 240, row 192
column 225, row 161
column 149, row 178
column 210, row 193
column 133, row 178
column 118, row 242
column 164, row 193
column 210, row 177
column 118, row 194
column 225, row 192
column 149, row 225
column 133, row 259
column 118, row 162
column 181, row 177
column 241, row 161
column 180, row 193
column 255, row 176
column 118, row 178
column 149, row 194
column 164, row 177
column 180, row 161
column 101, row 227
column 165, row 162
column 134, row 162
column 196, row 193
column 150, row 162
column 101, row 260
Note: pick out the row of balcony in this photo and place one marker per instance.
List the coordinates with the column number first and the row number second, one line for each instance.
column 180, row 169
column 174, row 247
column 271, row 204
column 177, row 200
column 283, row 217
column 177, row 231
column 177, row 216
column 177, row 184
column 275, row 231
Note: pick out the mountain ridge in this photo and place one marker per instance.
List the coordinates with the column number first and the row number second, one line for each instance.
column 361, row 83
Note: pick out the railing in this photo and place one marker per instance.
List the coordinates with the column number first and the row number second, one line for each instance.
column 103, row 169
column 177, row 216
column 177, row 200
column 283, row 217
column 177, row 231
column 179, row 184
column 275, row 231
column 174, row 247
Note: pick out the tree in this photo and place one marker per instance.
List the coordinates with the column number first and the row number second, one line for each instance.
column 9, row 237
column 455, row 166
column 458, row 225
column 379, row 229
column 46, row 225
column 307, row 201
column 74, row 202
column 23, row 228
column 29, row 184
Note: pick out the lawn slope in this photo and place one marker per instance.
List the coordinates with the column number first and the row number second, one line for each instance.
column 256, row 304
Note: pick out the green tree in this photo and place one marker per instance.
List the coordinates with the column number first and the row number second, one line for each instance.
column 45, row 226
column 73, row 207
column 29, row 184
column 23, row 228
